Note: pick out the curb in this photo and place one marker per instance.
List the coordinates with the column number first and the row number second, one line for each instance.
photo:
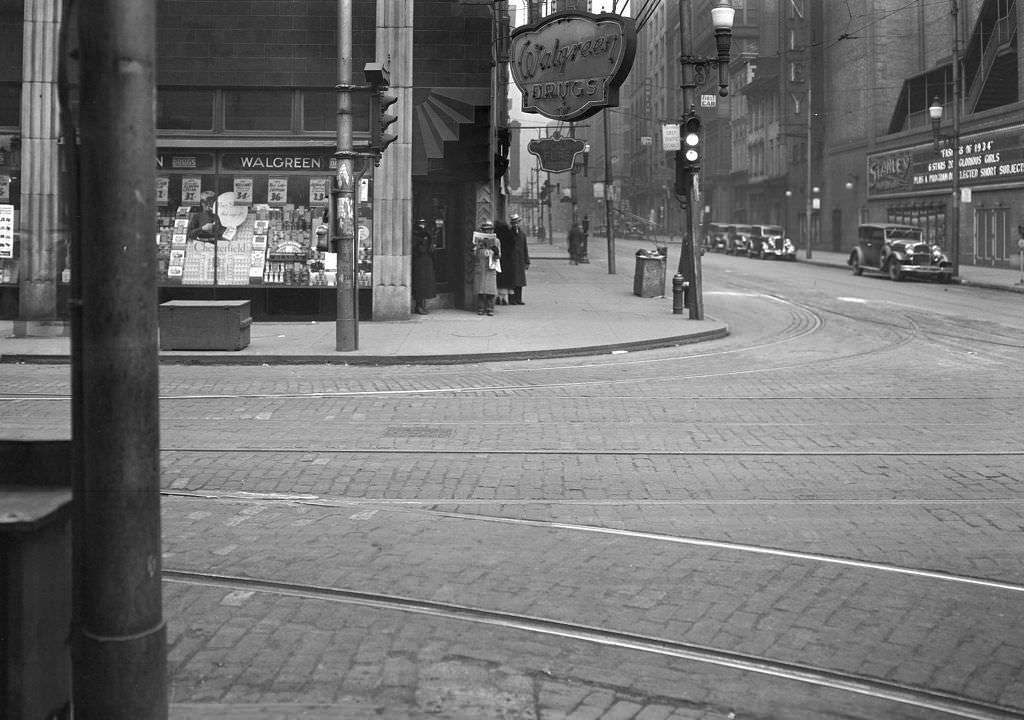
column 381, row 360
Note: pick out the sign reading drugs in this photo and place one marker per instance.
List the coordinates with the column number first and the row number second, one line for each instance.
column 570, row 65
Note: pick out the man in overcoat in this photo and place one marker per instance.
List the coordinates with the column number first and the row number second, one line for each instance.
column 515, row 259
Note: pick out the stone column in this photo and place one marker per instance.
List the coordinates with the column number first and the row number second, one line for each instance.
column 41, row 230
column 392, row 188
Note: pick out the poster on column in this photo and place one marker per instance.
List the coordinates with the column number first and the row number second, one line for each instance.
column 318, row 191
column 190, row 189
column 243, row 190
column 163, row 191
column 6, row 231
column 277, row 191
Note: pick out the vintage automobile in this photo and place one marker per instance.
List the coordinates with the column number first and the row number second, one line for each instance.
column 716, row 236
column 898, row 251
column 769, row 241
column 739, row 240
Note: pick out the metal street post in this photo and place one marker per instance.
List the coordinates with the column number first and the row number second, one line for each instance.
column 954, row 11
column 119, row 639
column 810, row 149
column 342, row 217
column 694, row 71
column 608, row 199
column 952, row 142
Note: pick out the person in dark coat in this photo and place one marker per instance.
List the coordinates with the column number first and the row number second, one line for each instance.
column 507, row 241
column 423, row 287
column 576, row 244
column 515, row 260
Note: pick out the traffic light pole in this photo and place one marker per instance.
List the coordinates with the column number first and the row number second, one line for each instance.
column 689, row 259
column 342, row 215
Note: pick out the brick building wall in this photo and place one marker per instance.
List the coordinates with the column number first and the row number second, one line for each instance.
column 258, row 43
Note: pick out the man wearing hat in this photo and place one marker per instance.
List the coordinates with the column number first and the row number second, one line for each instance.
column 205, row 225
column 515, row 260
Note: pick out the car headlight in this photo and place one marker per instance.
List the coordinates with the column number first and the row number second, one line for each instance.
column 937, row 253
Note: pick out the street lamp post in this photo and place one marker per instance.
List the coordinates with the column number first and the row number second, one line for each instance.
column 694, row 72
column 949, row 145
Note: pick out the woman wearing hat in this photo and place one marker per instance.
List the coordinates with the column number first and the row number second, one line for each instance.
column 486, row 261
column 423, row 287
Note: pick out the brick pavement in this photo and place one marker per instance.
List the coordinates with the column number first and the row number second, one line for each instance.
column 379, row 522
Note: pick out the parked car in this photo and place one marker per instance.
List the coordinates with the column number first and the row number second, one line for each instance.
column 769, row 241
column 716, row 237
column 898, row 251
column 739, row 239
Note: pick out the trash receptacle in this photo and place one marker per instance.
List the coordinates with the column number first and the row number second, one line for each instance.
column 649, row 278
column 35, row 579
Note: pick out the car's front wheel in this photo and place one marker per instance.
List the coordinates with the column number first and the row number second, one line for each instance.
column 855, row 267
column 895, row 273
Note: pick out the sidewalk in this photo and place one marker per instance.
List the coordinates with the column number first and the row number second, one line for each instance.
column 571, row 310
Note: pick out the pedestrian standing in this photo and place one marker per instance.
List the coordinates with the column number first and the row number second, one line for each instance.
column 575, row 244
column 423, row 287
column 515, row 261
column 486, row 263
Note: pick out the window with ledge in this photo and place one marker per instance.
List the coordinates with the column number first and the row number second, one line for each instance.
column 258, row 110
column 10, row 104
column 184, row 109
column 320, row 111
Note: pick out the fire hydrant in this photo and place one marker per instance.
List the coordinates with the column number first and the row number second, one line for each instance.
column 679, row 289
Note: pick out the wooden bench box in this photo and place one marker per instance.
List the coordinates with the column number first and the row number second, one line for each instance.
column 204, row 324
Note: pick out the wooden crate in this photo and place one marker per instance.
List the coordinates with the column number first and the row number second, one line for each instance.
column 204, row 324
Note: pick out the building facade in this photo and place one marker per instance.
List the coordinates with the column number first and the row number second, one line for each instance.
column 247, row 108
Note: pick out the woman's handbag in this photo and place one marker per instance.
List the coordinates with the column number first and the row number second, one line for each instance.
column 495, row 263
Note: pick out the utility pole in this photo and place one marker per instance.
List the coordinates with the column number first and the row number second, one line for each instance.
column 342, row 217
column 810, row 152
column 689, row 259
column 608, row 193
column 119, row 640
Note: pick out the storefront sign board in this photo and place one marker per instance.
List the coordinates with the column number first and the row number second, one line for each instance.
column 556, row 153
column 6, row 231
column 570, row 65
column 985, row 159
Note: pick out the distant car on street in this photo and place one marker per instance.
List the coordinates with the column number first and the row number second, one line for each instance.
column 770, row 242
column 898, row 251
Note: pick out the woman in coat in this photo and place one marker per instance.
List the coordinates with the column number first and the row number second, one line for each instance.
column 486, row 255
column 423, row 287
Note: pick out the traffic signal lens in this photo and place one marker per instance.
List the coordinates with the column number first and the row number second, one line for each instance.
column 692, row 139
column 691, row 155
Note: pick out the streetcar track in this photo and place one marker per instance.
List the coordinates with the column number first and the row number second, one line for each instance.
column 741, row 548
column 900, row 694
column 320, row 449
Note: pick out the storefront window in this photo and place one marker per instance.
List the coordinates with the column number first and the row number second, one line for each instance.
column 320, row 111
column 10, row 104
column 184, row 109
column 258, row 109
column 270, row 205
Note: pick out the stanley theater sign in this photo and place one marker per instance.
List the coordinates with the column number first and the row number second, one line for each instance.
column 570, row 65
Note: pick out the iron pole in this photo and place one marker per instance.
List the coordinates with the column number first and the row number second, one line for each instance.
column 608, row 199
column 346, row 326
column 956, row 140
column 119, row 641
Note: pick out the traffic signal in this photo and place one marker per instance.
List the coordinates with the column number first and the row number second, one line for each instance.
column 381, row 120
column 688, row 158
column 691, row 142
column 379, row 77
